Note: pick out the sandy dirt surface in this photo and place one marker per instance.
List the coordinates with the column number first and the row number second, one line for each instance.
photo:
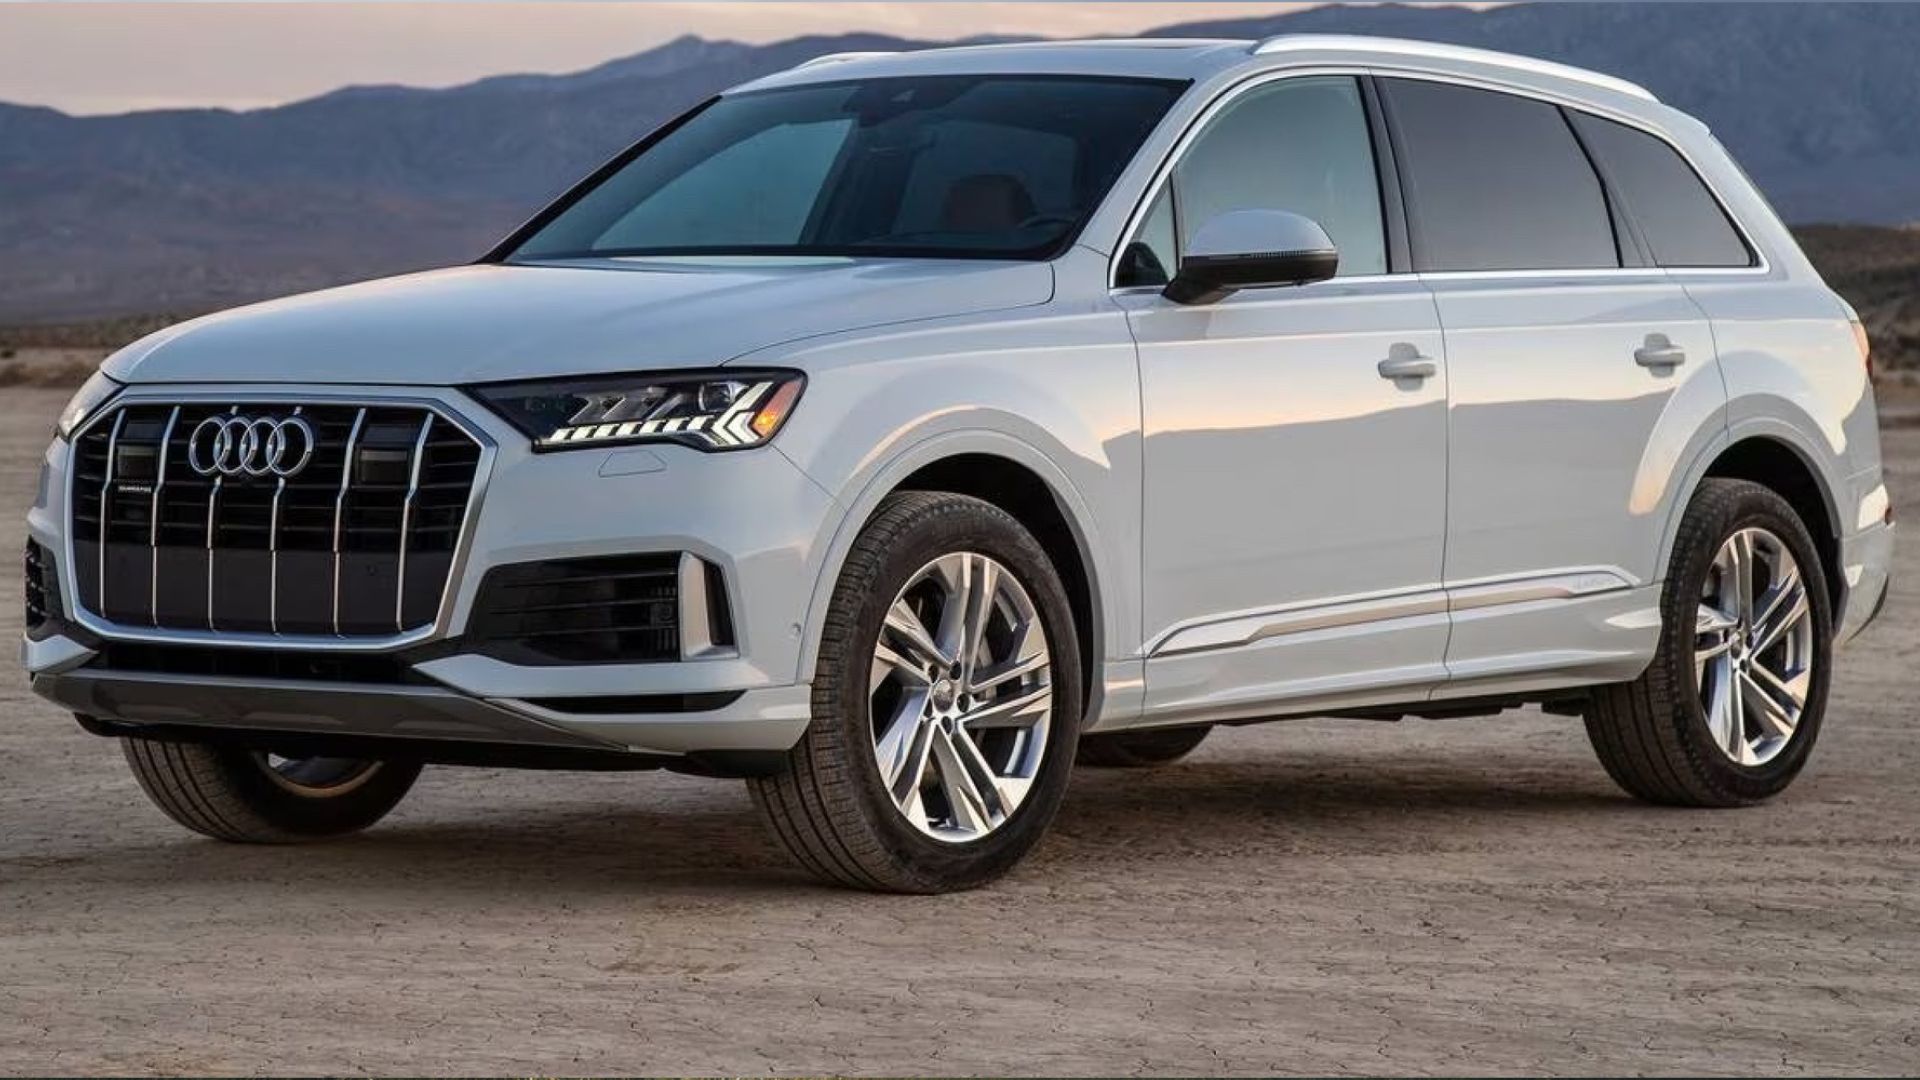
column 1322, row 897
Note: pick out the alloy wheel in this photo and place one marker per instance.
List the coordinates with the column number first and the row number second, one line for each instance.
column 316, row 777
column 960, row 697
column 1753, row 647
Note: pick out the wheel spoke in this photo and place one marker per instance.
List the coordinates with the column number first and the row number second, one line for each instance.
column 979, row 614
column 1790, row 690
column 889, row 661
column 910, row 770
column 1782, row 613
column 1028, row 655
column 1740, row 565
column 964, row 798
column 991, row 678
column 1018, row 710
column 915, row 644
column 891, row 748
column 989, row 782
column 958, row 576
column 1733, row 734
column 1713, row 633
column 1773, row 716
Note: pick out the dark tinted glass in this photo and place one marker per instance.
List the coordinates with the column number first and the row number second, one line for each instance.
column 980, row 166
column 1679, row 218
column 1496, row 182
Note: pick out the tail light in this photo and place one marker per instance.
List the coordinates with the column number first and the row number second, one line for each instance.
column 1860, row 342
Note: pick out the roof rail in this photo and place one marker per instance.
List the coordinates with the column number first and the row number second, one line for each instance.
column 1435, row 51
column 842, row 57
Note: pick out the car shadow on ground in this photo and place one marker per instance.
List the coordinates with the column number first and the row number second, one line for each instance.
column 1150, row 819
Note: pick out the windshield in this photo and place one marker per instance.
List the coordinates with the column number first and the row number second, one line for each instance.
column 995, row 166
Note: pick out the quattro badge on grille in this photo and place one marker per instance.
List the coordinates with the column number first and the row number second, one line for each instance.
column 250, row 446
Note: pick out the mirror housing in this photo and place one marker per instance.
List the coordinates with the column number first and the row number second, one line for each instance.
column 1251, row 249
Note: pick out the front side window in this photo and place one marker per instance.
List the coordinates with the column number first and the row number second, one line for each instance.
column 1495, row 182
column 997, row 166
column 1300, row 145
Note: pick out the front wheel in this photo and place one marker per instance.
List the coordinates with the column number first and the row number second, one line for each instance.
column 250, row 797
column 946, row 703
column 1730, row 707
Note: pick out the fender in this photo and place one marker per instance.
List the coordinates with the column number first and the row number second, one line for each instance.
column 1794, row 436
column 868, row 492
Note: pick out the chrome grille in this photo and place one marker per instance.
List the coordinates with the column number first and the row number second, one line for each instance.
column 358, row 542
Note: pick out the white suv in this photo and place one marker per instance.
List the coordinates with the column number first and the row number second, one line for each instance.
column 897, row 430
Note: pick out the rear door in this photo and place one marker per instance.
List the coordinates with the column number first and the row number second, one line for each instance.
column 1568, row 353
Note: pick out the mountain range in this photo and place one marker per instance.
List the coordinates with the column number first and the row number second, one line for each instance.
column 185, row 210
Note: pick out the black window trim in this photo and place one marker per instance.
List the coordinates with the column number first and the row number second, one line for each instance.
column 1759, row 263
column 1625, row 207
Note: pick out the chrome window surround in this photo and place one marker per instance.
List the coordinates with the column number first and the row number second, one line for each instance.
column 292, row 393
column 1162, row 175
column 1285, row 43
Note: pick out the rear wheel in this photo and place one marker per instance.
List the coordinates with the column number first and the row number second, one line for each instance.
column 1731, row 706
column 1140, row 749
column 249, row 797
column 946, row 701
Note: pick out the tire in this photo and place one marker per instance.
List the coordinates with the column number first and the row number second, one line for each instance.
column 830, row 806
column 1140, row 749
column 237, row 795
column 1653, row 734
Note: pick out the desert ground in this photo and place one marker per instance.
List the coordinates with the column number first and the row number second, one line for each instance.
column 1327, row 897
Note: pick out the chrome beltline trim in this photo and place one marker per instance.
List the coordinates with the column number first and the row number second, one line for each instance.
column 1242, row 630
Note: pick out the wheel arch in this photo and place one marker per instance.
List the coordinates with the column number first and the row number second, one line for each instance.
column 1013, row 476
column 1779, row 460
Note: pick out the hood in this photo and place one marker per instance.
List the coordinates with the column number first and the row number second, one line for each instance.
column 492, row 322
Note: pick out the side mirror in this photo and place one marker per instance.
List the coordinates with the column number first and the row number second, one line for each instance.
column 1251, row 249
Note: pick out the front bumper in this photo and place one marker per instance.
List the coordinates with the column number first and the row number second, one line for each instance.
column 752, row 515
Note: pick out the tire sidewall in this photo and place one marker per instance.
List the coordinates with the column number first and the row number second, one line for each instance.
column 1752, row 507
column 843, row 689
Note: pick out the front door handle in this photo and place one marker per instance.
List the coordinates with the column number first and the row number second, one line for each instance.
column 1659, row 352
column 1410, row 366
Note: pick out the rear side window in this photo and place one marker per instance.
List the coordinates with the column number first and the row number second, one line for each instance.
column 1495, row 182
column 1678, row 217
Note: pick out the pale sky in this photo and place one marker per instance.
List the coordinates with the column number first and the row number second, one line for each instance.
column 83, row 56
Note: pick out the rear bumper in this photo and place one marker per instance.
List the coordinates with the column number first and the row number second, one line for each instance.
column 1866, row 560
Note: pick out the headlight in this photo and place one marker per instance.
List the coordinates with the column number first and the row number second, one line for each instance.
column 712, row 410
column 95, row 392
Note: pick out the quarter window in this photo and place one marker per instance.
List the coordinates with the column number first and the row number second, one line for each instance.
column 1495, row 182
column 1678, row 217
column 1300, row 145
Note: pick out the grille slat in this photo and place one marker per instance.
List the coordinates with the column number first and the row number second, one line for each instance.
column 358, row 543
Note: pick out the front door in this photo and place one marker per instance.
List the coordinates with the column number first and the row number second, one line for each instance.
column 1295, row 439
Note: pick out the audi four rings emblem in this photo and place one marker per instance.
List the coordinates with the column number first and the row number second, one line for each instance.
column 250, row 446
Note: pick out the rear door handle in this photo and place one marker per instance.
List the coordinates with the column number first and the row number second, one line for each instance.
column 1658, row 352
column 1412, row 366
